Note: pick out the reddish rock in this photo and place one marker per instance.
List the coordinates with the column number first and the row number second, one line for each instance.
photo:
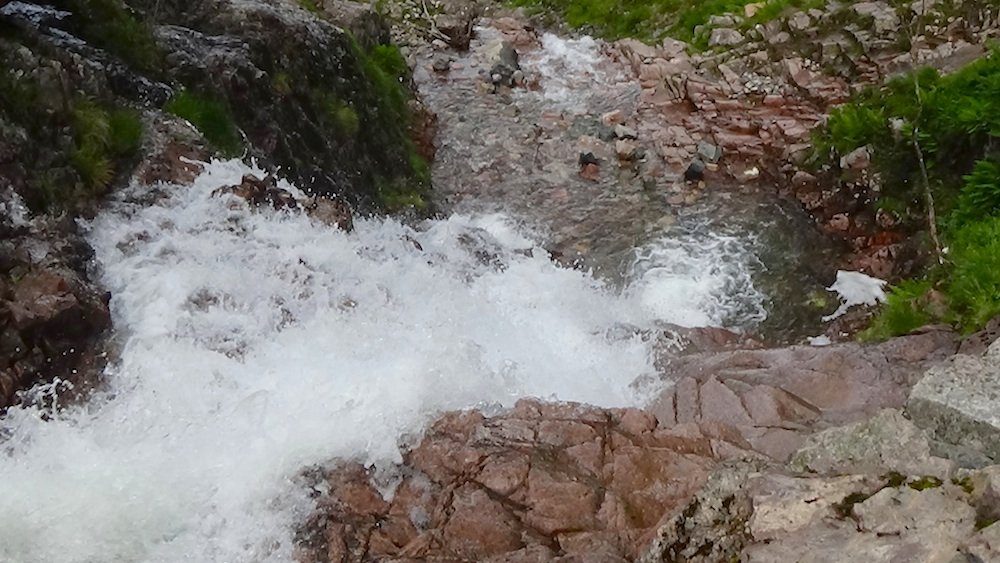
column 539, row 482
column 52, row 317
column 742, row 397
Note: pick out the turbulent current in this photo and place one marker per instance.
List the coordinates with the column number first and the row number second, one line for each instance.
column 253, row 344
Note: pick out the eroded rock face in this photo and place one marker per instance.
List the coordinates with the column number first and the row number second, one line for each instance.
column 774, row 398
column 541, row 482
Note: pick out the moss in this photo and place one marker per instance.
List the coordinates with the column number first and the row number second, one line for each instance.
column 111, row 25
column 211, row 116
column 894, row 479
column 309, row 6
column 336, row 114
column 389, row 75
column 924, row 483
column 845, row 508
column 965, row 483
column 983, row 522
column 281, row 83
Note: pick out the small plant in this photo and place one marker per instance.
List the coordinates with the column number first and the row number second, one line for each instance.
column 211, row 117
column 282, row 84
column 974, row 285
column 126, row 131
column 845, row 508
column 965, row 483
column 345, row 118
column 902, row 312
column 99, row 136
column 980, row 195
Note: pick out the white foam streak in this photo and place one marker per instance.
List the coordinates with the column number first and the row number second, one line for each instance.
column 257, row 344
column 566, row 64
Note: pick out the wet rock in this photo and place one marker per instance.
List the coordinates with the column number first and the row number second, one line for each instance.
column 441, row 64
column 957, row 404
column 627, row 150
column 590, row 172
column 172, row 153
column 709, row 153
column 329, row 211
column 53, row 317
column 723, row 37
column 260, row 192
column 623, row 132
column 587, row 158
column 695, row 171
column 613, row 118
column 506, row 63
column 543, row 480
column 458, row 27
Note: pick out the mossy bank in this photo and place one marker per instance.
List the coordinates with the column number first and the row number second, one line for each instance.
column 331, row 108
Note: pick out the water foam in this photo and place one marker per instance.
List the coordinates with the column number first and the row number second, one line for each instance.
column 259, row 343
column 698, row 280
column 564, row 65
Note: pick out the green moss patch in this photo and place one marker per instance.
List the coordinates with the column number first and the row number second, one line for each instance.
column 211, row 116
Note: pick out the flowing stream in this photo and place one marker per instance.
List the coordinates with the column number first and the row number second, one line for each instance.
column 254, row 344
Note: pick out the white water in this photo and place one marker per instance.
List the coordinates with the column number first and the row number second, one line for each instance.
column 257, row 344
column 575, row 73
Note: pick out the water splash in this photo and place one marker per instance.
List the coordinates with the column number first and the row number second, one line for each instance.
column 259, row 343
column 702, row 280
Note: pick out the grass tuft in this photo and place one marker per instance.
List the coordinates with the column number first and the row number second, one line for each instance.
column 211, row 117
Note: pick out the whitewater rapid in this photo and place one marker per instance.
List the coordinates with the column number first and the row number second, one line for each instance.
column 254, row 344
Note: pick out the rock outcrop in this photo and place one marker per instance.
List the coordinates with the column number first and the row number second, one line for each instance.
column 773, row 398
column 957, row 403
column 269, row 79
column 763, row 514
column 540, row 482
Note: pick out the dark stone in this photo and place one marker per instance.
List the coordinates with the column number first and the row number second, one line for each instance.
column 588, row 158
column 695, row 171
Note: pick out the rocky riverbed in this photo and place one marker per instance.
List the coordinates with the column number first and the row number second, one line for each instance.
column 576, row 359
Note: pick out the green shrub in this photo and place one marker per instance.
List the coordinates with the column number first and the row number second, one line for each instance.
column 974, row 284
column 903, row 311
column 980, row 195
column 99, row 137
column 126, row 131
column 211, row 117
